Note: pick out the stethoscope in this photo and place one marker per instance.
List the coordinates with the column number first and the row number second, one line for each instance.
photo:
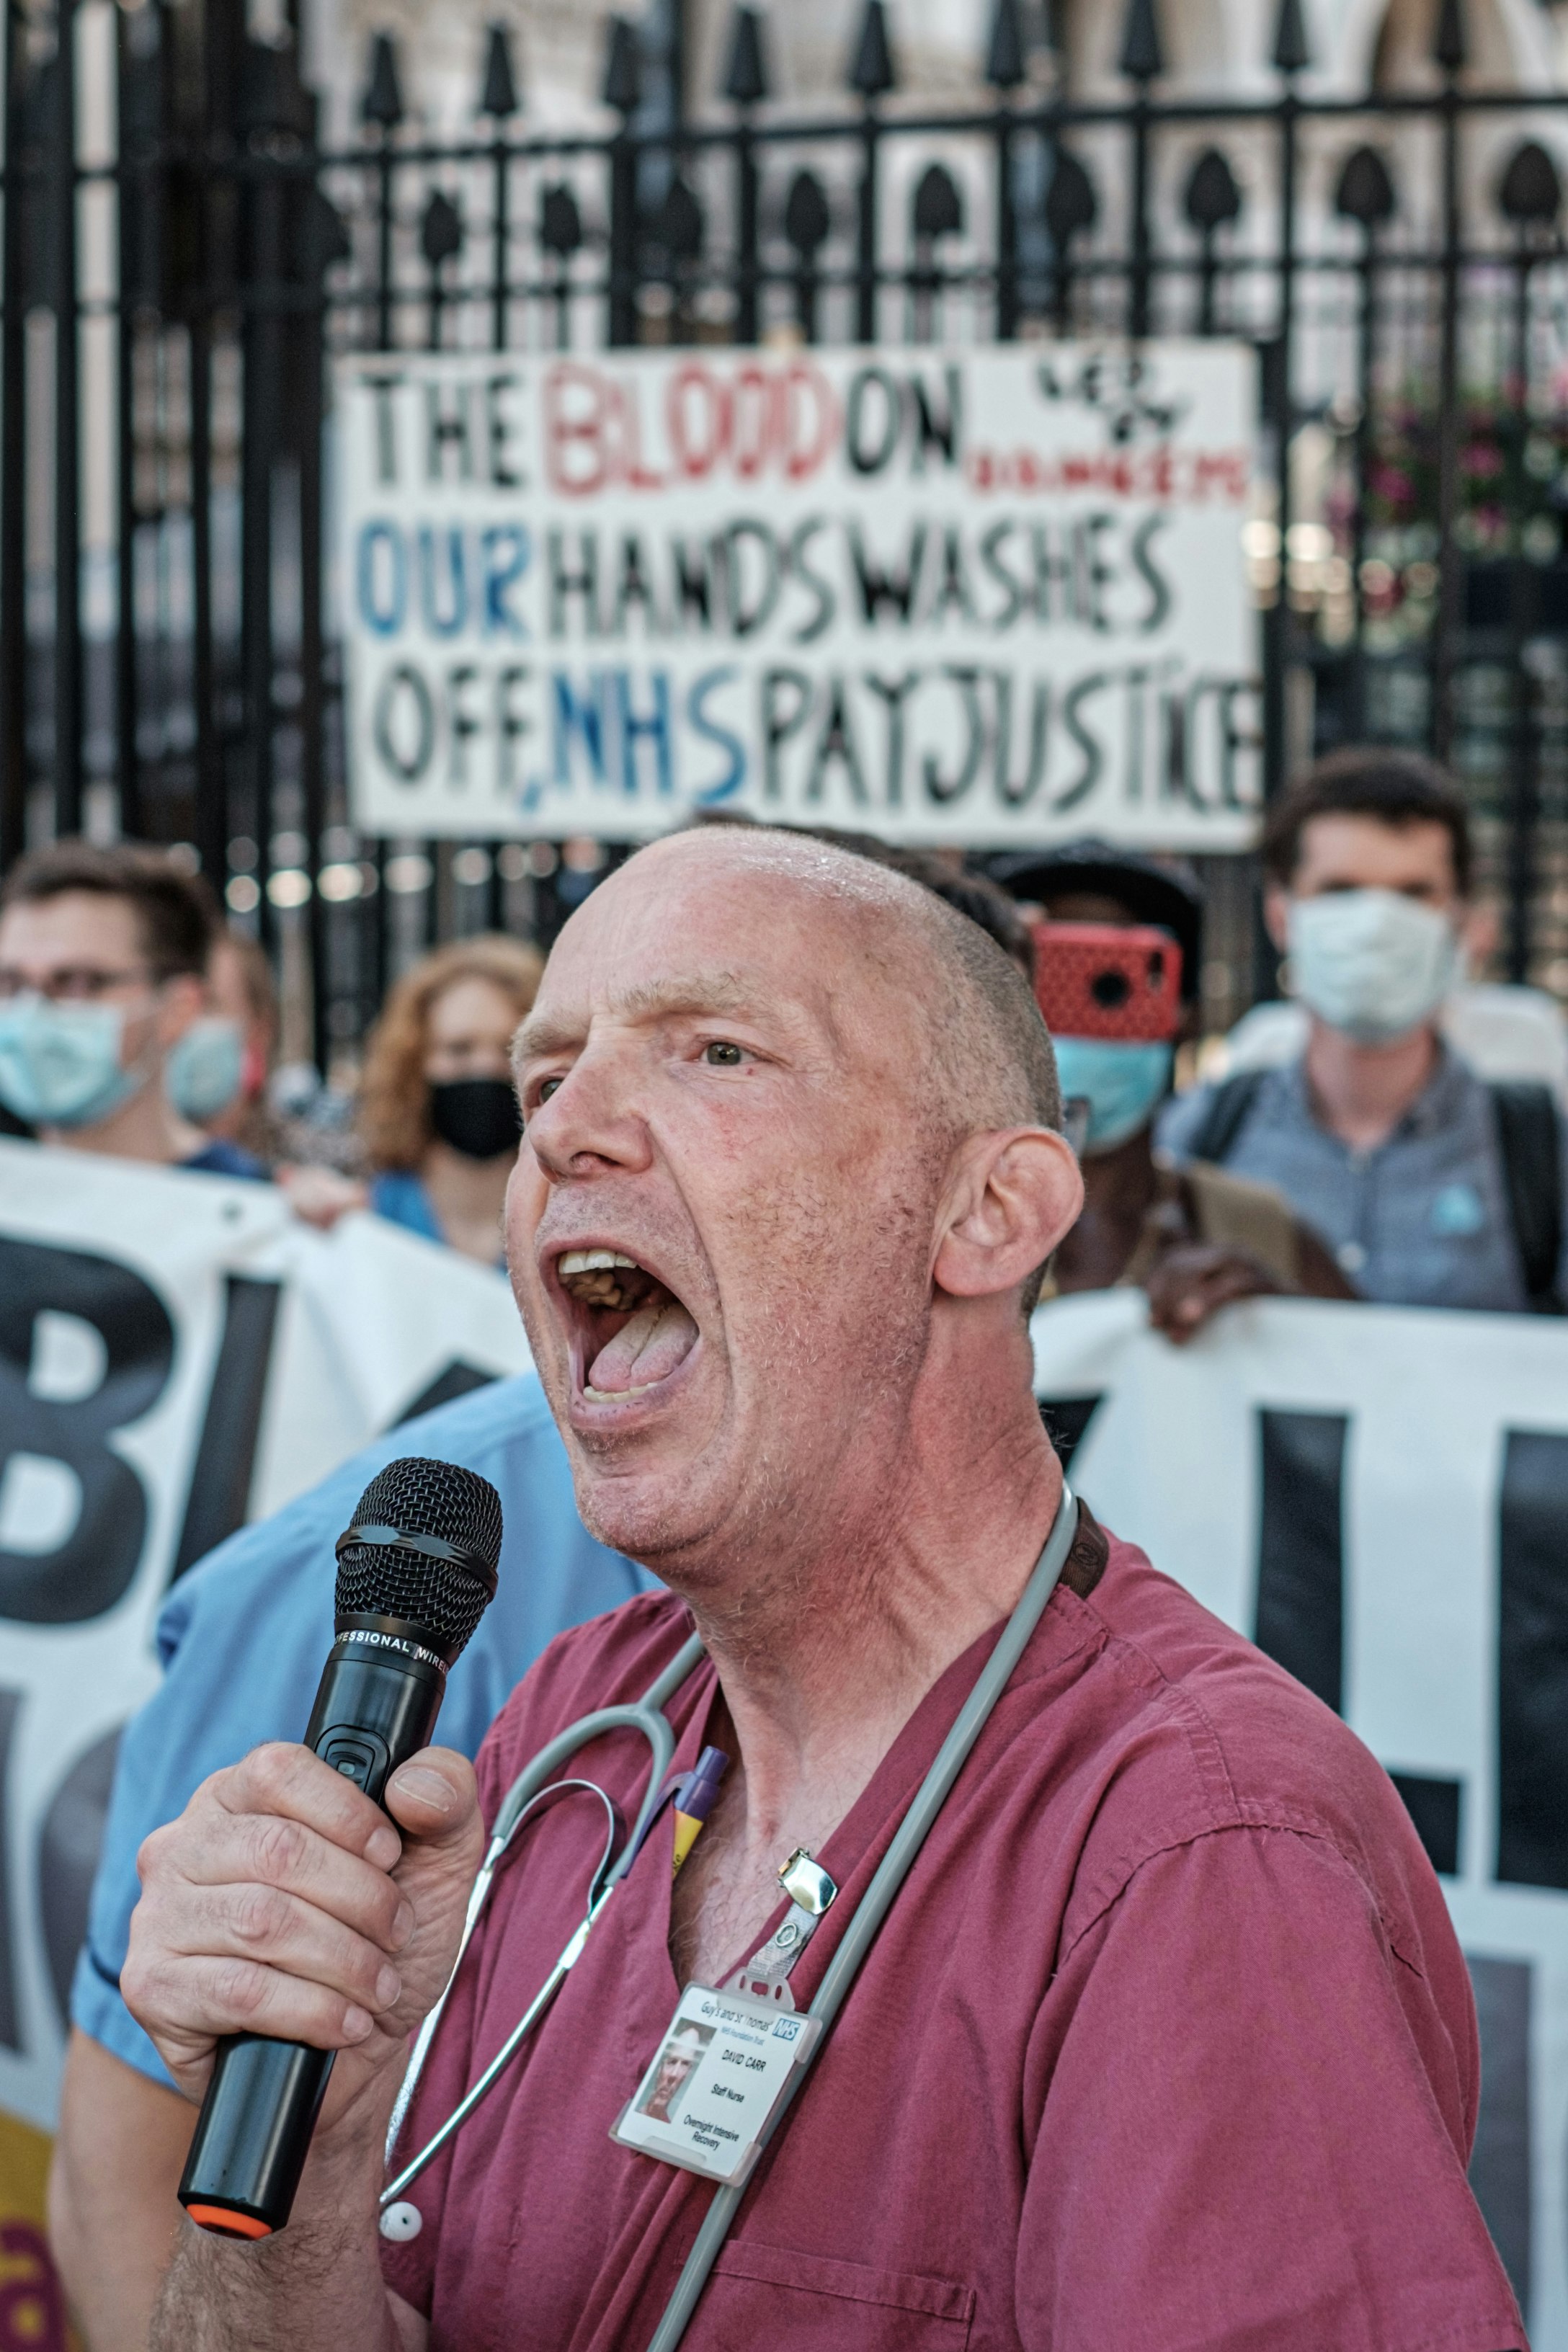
column 537, row 1786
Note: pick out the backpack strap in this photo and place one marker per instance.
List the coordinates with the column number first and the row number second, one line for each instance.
column 1530, row 1145
column 1222, row 1122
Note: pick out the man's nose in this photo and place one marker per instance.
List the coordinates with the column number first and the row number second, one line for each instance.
column 593, row 1122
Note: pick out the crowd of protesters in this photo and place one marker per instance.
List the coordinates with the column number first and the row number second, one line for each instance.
column 1374, row 1150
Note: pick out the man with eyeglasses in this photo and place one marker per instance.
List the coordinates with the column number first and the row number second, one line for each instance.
column 102, row 957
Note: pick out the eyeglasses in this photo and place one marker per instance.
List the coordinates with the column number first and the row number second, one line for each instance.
column 71, row 984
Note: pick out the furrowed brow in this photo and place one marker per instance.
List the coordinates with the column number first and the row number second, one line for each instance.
column 542, row 1033
column 702, row 995
column 714, row 991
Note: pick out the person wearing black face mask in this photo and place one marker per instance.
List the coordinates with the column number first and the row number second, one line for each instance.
column 438, row 1114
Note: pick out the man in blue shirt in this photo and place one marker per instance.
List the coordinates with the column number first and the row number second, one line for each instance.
column 1429, row 1186
column 243, row 1639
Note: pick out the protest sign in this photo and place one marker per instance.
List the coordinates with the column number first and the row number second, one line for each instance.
column 992, row 596
column 1380, row 1498
column 177, row 1354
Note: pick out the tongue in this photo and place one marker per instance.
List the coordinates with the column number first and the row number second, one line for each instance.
column 647, row 1348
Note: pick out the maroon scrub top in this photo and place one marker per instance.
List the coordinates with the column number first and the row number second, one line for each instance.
column 1166, row 2043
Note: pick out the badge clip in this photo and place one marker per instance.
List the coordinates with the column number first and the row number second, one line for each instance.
column 765, row 1976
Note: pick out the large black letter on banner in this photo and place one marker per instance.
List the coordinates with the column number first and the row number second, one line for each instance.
column 87, row 1572
column 1066, row 1420
column 1533, row 1660
column 220, row 1483
column 1300, row 1548
column 69, row 1846
column 1500, row 2160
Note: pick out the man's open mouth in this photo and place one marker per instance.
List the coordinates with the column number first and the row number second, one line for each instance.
column 630, row 1330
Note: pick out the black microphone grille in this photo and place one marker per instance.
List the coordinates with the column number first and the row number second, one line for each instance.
column 445, row 1589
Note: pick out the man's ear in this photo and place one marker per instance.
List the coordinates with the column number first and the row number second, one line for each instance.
column 1011, row 1197
column 1277, row 915
column 1479, row 933
column 180, row 1002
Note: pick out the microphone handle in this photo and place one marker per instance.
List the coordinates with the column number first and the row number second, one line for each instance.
column 376, row 1706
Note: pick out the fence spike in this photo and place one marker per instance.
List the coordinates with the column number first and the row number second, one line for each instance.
column 1071, row 205
column 1141, row 54
column 1365, row 192
column 441, row 230
column 938, row 207
column 1292, row 50
column 1212, row 195
column 806, row 220
column 382, row 101
column 681, row 227
column 323, row 236
column 873, row 71
column 1450, row 45
column 1004, row 63
column 560, row 222
column 500, row 100
column 1530, row 189
column 623, row 68
column 746, row 75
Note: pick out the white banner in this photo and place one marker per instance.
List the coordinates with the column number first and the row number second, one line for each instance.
column 1380, row 1497
column 988, row 596
column 177, row 1354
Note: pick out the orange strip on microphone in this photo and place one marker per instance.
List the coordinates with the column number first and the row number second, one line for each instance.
column 233, row 2225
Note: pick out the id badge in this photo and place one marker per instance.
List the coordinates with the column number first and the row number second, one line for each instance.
column 716, row 2077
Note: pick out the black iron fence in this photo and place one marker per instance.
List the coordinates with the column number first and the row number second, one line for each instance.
column 169, row 306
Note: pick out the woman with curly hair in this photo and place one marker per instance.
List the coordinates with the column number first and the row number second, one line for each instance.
column 437, row 1115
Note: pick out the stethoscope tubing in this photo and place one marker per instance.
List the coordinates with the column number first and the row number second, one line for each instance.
column 872, row 1908
column 645, row 1716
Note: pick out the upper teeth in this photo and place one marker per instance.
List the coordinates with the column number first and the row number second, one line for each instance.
column 590, row 1261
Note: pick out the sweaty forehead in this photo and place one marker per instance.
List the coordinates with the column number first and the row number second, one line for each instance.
column 699, row 918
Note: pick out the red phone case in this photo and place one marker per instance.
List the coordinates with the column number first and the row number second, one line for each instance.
column 1108, row 980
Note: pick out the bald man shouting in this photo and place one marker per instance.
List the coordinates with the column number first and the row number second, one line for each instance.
column 1167, row 2042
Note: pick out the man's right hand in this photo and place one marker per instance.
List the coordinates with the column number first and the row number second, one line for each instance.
column 284, row 1902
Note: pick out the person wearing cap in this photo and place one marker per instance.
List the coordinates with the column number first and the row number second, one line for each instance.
column 1118, row 940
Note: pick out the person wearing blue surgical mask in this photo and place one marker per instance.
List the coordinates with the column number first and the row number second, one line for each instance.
column 1430, row 1187
column 217, row 1075
column 102, row 957
column 1110, row 923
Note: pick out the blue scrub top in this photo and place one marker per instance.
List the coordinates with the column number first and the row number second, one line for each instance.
column 398, row 1195
column 245, row 1635
column 218, row 1157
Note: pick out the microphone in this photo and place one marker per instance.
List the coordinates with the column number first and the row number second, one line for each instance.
column 416, row 1570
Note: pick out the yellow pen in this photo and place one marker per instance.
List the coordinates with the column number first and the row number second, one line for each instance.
column 694, row 1800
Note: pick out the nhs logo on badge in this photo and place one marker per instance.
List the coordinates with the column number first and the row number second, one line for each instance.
column 786, row 2029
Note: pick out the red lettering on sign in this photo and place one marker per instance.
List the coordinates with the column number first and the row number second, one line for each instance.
column 755, row 415
column 628, row 410
column 697, row 420
column 575, row 420
column 810, row 423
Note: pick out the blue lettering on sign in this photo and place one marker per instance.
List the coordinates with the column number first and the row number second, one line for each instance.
column 507, row 552
column 652, row 727
column 450, row 622
column 382, row 588
column 728, row 741
column 579, row 718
